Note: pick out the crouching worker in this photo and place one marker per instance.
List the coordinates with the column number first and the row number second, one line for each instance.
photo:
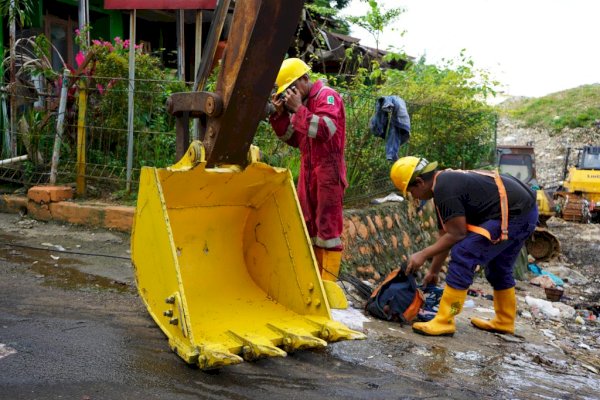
column 483, row 219
column 311, row 117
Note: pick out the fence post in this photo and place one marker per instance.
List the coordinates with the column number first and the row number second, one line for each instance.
column 60, row 126
column 13, row 78
column 5, row 122
column 130, row 93
column 82, row 106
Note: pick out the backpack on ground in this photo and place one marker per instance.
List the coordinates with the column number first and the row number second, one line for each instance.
column 397, row 298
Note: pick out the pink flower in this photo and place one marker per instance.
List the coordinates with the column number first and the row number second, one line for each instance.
column 100, row 88
column 118, row 40
column 79, row 59
column 77, row 32
column 96, row 42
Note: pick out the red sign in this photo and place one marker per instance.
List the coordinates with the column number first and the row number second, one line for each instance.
column 160, row 4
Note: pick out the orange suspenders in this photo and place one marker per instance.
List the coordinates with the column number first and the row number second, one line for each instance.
column 503, row 208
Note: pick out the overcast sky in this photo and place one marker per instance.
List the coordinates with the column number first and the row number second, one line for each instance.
column 534, row 47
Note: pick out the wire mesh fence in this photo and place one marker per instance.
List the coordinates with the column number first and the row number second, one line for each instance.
column 94, row 145
column 98, row 139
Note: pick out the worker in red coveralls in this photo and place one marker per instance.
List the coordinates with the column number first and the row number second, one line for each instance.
column 311, row 116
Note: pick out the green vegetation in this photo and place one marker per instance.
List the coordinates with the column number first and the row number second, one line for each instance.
column 573, row 108
column 376, row 20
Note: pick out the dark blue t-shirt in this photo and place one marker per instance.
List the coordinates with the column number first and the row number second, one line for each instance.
column 476, row 197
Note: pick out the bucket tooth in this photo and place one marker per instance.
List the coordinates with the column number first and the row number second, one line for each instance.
column 215, row 356
column 333, row 331
column 335, row 295
column 255, row 347
column 297, row 339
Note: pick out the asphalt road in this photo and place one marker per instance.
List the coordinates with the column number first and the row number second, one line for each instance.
column 70, row 331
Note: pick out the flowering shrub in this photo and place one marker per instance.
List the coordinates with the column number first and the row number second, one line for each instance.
column 104, row 66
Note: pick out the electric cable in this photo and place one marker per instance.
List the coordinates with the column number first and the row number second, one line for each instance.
column 49, row 249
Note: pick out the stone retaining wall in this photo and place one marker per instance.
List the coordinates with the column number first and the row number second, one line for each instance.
column 379, row 238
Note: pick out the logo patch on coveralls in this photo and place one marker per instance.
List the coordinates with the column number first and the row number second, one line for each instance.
column 330, row 100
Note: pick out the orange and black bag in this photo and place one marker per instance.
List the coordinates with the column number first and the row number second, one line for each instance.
column 397, row 298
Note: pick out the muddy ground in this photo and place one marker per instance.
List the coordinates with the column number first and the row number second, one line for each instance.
column 73, row 326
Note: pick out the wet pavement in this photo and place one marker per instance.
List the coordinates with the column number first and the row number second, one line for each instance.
column 72, row 326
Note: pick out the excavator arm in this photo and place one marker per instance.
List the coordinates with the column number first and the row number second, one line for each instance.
column 259, row 37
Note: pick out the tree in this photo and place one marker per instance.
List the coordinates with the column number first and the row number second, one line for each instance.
column 328, row 14
column 16, row 10
column 376, row 20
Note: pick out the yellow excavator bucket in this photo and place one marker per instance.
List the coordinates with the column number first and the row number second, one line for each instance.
column 224, row 264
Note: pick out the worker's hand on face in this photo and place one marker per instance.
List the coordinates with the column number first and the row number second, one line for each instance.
column 293, row 99
column 414, row 262
column 430, row 279
column 279, row 104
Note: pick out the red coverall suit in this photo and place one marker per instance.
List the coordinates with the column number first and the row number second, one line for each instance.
column 318, row 129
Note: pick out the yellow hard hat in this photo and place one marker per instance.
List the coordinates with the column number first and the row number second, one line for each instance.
column 405, row 169
column 291, row 69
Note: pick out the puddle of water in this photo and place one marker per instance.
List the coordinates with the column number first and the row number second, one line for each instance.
column 529, row 374
column 520, row 373
column 57, row 268
column 71, row 278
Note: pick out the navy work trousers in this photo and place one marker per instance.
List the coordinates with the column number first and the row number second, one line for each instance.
column 498, row 259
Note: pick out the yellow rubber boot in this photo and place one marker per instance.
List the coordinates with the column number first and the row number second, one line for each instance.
column 331, row 264
column 443, row 322
column 505, row 305
column 319, row 256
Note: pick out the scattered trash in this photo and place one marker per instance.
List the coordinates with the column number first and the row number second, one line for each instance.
column 568, row 275
column 54, row 257
column 584, row 346
column 543, row 281
column 485, row 310
column 543, row 305
column 390, row 197
column 58, row 247
column 536, row 270
column 579, row 320
column 351, row 317
column 6, row 351
column 554, row 293
column 590, row 368
column 469, row 304
column 509, row 338
column 475, row 292
column 566, row 311
column 430, row 306
column 526, row 314
column 548, row 333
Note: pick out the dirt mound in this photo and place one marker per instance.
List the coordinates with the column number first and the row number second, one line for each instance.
column 550, row 146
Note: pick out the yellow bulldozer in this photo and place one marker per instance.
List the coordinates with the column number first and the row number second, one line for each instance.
column 519, row 161
column 221, row 253
column 578, row 198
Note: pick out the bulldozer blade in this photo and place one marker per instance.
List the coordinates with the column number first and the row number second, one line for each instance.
column 222, row 256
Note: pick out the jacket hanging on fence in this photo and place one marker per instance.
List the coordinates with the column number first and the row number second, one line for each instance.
column 391, row 122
